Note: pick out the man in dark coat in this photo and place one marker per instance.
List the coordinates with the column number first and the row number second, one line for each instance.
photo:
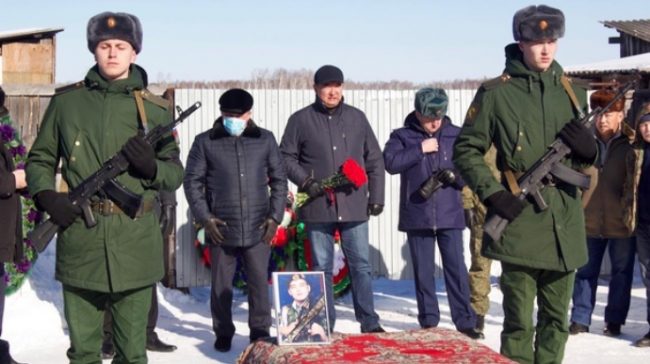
column 11, row 241
column 421, row 153
column 230, row 169
column 316, row 142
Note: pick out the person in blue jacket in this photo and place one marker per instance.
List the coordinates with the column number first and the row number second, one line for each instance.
column 431, row 207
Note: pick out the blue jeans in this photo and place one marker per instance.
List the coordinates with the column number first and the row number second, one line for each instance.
column 621, row 254
column 422, row 247
column 355, row 245
column 643, row 250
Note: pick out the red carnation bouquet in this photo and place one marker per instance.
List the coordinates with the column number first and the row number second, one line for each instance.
column 350, row 173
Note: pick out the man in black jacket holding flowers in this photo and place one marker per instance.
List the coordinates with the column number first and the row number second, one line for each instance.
column 317, row 141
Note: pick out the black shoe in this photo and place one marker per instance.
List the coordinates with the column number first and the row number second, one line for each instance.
column 472, row 333
column 108, row 349
column 480, row 323
column 612, row 330
column 577, row 328
column 155, row 344
column 428, row 326
column 257, row 334
column 223, row 344
column 374, row 330
column 643, row 342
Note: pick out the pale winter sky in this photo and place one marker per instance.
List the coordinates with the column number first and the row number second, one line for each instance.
column 371, row 40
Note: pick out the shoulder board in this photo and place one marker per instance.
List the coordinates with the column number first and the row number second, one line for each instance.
column 579, row 82
column 497, row 81
column 70, row 87
column 162, row 102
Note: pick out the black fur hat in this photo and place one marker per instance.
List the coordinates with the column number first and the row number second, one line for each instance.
column 109, row 25
column 538, row 22
column 236, row 101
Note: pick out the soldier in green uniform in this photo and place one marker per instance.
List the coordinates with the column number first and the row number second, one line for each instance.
column 115, row 263
column 479, row 270
column 521, row 113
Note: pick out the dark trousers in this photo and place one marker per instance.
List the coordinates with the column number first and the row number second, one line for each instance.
column 450, row 243
column 152, row 318
column 256, row 264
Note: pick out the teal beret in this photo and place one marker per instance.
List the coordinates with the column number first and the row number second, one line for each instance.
column 538, row 22
column 431, row 102
column 108, row 25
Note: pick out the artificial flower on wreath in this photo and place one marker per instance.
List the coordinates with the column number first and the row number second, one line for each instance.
column 350, row 173
column 15, row 274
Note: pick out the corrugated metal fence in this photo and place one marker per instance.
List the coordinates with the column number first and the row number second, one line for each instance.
column 385, row 110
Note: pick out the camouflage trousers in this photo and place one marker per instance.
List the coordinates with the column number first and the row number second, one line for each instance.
column 479, row 270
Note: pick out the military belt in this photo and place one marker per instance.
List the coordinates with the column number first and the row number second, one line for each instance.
column 107, row 207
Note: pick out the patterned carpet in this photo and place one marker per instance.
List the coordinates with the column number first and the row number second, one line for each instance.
column 435, row 345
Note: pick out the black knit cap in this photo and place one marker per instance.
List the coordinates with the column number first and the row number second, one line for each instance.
column 328, row 74
column 108, row 25
column 236, row 101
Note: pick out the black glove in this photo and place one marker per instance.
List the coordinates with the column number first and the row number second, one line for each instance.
column 141, row 157
column 374, row 209
column 580, row 139
column 270, row 227
column 211, row 226
column 313, row 188
column 446, row 177
column 431, row 185
column 505, row 204
column 58, row 206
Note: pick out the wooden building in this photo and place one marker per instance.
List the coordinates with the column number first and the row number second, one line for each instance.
column 634, row 36
column 28, row 56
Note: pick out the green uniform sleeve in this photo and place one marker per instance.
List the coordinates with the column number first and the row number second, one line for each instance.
column 473, row 142
column 43, row 157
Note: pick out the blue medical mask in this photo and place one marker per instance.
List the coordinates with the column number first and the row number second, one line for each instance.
column 234, row 126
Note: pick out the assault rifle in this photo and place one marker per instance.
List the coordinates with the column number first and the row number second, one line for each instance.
column 104, row 180
column 549, row 168
column 303, row 322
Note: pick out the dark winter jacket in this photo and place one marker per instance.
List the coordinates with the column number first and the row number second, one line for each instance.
column 315, row 144
column 403, row 154
column 11, row 240
column 229, row 178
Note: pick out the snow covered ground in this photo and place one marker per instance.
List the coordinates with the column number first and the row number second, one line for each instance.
column 35, row 327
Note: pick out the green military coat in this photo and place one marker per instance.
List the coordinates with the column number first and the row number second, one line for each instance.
column 85, row 125
column 521, row 113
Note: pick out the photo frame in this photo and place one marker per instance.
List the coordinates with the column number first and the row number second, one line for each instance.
column 301, row 314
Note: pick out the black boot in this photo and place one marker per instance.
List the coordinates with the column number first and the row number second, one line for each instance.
column 108, row 349
column 155, row 344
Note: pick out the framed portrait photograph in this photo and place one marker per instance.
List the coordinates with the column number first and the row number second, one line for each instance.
column 301, row 308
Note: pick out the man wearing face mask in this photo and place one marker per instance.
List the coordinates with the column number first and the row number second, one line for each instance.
column 230, row 169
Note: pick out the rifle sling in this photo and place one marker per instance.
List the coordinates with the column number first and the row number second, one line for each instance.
column 139, row 104
column 564, row 80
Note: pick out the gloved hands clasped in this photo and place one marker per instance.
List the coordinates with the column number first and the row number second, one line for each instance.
column 141, row 157
column 211, row 226
column 443, row 178
column 58, row 206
